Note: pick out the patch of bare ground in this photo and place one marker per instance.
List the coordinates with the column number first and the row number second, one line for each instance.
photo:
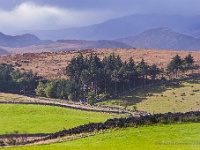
column 39, row 140
column 68, row 137
column 53, row 64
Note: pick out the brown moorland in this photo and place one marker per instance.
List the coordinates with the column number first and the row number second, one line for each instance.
column 53, row 64
column 53, row 47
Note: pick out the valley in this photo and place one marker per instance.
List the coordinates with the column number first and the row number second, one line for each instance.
column 99, row 75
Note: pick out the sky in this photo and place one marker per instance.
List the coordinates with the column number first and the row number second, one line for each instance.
column 17, row 15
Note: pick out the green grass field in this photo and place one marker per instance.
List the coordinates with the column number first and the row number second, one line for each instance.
column 172, row 97
column 173, row 137
column 181, row 97
column 44, row 119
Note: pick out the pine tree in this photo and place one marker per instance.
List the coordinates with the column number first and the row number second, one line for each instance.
column 189, row 62
column 153, row 71
column 131, row 71
column 143, row 70
column 175, row 65
column 115, row 78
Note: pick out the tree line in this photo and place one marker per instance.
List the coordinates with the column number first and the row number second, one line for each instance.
column 16, row 81
column 178, row 65
column 90, row 78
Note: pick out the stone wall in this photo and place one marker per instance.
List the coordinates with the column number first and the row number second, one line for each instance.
column 167, row 118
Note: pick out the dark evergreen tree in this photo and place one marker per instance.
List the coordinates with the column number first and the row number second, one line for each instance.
column 16, row 81
column 153, row 71
column 143, row 70
column 175, row 65
column 115, row 77
column 132, row 73
column 189, row 62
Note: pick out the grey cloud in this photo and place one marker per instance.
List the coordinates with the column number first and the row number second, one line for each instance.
column 128, row 6
column 29, row 16
column 50, row 14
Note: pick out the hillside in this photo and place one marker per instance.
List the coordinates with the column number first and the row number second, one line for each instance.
column 51, row 65
column 162, row 38
column 122, row 27
column 20, row 40
column 2, row 51
column 66, row 45
column 34, row 119
column 173, row 97
column 155, row 38
column 83, row 44
column 196, row 34
column 173, row 137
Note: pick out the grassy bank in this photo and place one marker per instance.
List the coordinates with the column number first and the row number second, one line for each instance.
column 174, row 136
column 174, row 97
column 44, row 119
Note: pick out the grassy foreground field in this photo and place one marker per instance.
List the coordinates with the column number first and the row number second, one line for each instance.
column 44, row 119
column 173, row 97
column 174, row 136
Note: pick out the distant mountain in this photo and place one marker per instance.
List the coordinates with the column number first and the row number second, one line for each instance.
column 162, row 38
column 156, row 38
column 195, row 34
column 21, row 40
column 65, row 45
column 2, row 51
column 122, row 27
column 107, row 44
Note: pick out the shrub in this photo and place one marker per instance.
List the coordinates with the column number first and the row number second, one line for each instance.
column 91, row 98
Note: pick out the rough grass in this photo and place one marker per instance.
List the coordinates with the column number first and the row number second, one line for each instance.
column 14, row 97
column 50, row 65
column 173, row 137
column 44, row 119
column 174, row 97
column 8, row 97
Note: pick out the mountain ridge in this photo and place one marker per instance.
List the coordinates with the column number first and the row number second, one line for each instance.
column 162, row 38
column 155, row 38
column 129, row 25
column 3, row 51
column 66, row 45
column 19, row 41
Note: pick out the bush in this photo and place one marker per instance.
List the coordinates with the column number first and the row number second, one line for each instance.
column 71, row 96
column 91, row 98
column 40, row 90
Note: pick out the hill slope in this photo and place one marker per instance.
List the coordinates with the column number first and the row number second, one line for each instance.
column 156, row 38
column 44, row 119
column 20, row 41
column 2, row 51
column 83, row 44
column 124, row 26
column 172, row 97
column 65, row 45
column 173, row 137
column 163, row 38
column 51, row 65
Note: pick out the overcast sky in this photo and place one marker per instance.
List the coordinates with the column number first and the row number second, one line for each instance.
column 18, row 15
